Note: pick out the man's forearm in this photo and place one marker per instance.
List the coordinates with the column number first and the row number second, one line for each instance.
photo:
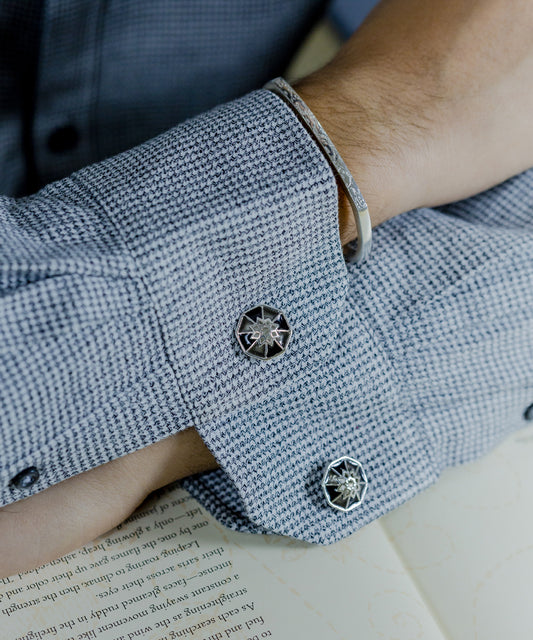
column 428, row 102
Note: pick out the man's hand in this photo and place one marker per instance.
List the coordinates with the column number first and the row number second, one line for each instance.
column 71, row 513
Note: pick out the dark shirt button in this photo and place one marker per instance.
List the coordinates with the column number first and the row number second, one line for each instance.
column 25, row 479
column 528, row 413
column 63, row 139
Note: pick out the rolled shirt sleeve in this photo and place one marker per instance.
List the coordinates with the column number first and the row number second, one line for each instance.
column 123, row 285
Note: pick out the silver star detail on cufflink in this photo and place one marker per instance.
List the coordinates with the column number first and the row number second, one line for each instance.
column 263, row 332
column 344, row 483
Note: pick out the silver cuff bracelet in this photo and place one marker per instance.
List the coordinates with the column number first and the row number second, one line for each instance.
column 283, row 89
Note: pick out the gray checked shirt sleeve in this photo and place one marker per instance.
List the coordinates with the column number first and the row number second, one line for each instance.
column 121, row 287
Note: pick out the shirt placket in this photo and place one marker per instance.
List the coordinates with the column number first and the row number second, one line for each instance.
column 67, row 87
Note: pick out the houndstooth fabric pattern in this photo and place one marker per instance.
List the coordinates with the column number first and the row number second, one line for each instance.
column 120, row 289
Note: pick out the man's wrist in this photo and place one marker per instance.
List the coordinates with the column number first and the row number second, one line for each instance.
column 176, row 457
column 378, row 162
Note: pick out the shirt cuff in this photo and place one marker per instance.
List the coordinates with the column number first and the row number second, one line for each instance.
column 431, row 368
column 233, row 209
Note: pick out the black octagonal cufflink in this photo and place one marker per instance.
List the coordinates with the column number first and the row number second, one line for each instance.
column 344, row 483
column 263, row 332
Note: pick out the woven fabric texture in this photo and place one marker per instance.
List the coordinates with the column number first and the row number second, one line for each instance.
column 121, row 286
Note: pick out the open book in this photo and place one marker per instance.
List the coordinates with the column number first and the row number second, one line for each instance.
column 454, row 562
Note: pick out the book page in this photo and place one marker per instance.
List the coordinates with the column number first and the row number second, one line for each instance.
column 171, row 571
column 468, row 543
